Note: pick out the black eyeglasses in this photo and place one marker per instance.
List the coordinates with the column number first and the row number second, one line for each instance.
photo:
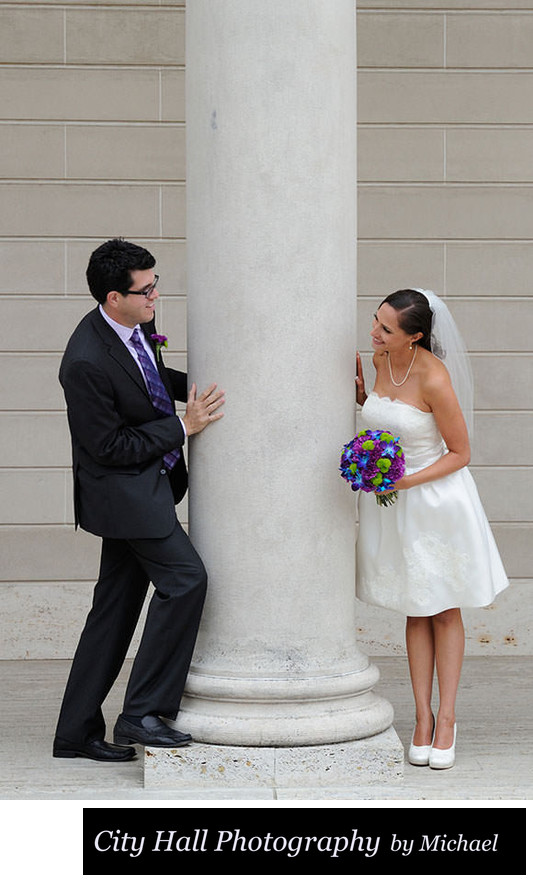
column 146, row 291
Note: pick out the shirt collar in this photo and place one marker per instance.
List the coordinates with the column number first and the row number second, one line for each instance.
column 123, row 332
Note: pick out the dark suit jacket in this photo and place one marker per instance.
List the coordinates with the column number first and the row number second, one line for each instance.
column 121, row 485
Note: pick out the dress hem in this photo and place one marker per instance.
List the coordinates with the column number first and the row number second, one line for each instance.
column 439, row 610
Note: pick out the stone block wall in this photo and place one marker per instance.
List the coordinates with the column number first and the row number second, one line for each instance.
column 92, row 145
column 92, row 137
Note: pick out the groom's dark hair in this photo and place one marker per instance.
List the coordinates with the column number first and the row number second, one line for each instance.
column 414, row 314
column 110, row 267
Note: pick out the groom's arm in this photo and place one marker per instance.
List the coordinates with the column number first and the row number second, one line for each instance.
column 98, row 427
column 178, row 381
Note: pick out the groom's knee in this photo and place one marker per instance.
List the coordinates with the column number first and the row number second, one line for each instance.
column 186, row 580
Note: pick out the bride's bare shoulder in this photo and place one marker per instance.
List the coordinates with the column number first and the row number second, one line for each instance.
column 434, row 374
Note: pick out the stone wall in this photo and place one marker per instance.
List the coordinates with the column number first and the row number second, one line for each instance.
column 92, row 123
column 92, row 146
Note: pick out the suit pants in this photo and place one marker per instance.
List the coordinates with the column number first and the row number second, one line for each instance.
column 160, row 668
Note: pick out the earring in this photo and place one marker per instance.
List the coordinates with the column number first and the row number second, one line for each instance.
column 410, row 347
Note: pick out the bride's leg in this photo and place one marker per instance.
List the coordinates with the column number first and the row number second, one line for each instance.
column 421, row 656
column 449, row 651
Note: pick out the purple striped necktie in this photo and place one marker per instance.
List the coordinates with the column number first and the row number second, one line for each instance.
column 157, row 391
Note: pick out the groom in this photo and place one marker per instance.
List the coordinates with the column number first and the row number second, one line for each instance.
column 129, row 473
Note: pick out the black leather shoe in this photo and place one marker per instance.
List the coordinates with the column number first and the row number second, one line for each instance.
column 150, row 732
column 99, row 750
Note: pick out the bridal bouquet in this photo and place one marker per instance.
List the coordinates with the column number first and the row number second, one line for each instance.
column 373, row 461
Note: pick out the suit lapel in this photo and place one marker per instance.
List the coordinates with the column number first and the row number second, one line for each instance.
column 118, row 351
column 149, row 329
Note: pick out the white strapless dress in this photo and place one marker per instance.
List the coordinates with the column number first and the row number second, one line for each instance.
column 433, row 549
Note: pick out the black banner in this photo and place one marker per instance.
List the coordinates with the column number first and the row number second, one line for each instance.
column 306, row 840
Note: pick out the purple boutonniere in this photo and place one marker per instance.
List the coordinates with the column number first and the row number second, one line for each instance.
column 159, row 340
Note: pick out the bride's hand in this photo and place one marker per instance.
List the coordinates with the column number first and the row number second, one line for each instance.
column 360, row 393
column 402, row 483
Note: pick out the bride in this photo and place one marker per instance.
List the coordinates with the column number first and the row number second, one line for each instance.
column 432, row 552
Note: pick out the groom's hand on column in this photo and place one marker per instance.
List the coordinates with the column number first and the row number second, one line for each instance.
column 201, row 410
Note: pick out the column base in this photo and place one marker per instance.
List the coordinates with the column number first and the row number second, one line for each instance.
column 282, row 711
column 218, row 771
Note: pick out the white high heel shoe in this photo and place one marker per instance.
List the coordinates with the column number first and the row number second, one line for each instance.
column 443, row 758
column 419, row 755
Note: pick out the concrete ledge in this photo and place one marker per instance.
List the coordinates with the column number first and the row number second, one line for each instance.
column 201, row 767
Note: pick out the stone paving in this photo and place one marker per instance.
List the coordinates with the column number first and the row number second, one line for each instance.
column 494, row 745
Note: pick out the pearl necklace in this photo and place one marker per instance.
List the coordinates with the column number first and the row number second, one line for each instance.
column 397, row 384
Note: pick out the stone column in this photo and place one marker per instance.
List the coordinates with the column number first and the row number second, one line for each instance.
column 271, row 237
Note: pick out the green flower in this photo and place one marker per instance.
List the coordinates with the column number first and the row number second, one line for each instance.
column 383, row 465
column 368, row 445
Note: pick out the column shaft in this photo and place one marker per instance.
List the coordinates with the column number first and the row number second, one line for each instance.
column 271, row 237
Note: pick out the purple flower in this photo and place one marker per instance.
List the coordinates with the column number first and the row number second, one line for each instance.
column 160, row 340
column 373, row 462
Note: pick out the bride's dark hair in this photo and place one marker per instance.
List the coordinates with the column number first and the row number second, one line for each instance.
column 414, row 314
